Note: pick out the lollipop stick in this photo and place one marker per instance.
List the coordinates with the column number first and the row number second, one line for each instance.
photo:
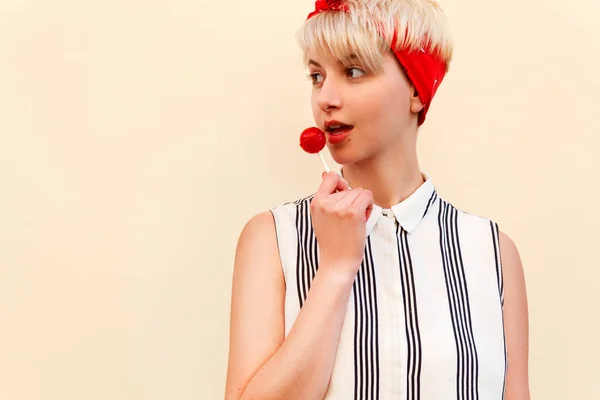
column 324, row 163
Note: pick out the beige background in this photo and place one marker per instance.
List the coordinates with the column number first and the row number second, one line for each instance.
column 137, row 137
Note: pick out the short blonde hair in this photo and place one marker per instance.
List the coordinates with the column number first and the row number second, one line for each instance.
column 366, row 31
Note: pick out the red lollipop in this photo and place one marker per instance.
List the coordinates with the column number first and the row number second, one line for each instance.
column 312, row 141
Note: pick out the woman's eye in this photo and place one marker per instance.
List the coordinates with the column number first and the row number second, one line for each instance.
column 355, row 72
column 316, row 78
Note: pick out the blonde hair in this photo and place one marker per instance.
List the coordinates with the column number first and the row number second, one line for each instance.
column 367, row 30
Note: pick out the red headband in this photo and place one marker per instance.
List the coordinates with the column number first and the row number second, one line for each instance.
column 424, row 70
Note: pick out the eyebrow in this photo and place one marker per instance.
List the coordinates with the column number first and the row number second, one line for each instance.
column 352, row 57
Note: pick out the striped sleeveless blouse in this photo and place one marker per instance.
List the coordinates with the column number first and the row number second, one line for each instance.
column 424, row 318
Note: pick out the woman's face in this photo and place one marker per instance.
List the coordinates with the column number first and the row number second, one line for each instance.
column 362, row 113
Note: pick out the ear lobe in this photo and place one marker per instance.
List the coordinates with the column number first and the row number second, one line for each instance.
column 415, row 103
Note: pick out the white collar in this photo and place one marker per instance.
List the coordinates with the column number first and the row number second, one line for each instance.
column 411, row 210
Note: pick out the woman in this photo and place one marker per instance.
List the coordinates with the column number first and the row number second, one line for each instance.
column 375, row 287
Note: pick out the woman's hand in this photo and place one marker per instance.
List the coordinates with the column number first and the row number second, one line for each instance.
column 339, row 217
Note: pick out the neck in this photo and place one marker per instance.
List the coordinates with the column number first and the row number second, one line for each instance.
column 391, row 176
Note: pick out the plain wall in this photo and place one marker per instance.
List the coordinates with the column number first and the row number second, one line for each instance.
column 137, row 138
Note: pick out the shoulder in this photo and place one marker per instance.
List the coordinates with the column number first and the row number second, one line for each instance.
column 509, row 252
column 512, row 266
column 257, row 241
column 295, row 203
column 257, row 264
column 268, row 232
column 477, row 227
column 259, row 230
column 464, row 214
column 265, row 223
column 285, row 214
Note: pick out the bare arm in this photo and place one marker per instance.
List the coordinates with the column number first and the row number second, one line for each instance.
column 257, row 300
column 262, row 365
column 516, row 321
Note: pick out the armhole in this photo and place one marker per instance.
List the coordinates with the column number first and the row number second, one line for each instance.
column 275, row 223
column 498, row 259
column 283, row 230
column 499, row 274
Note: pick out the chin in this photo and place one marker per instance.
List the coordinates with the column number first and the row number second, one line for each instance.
column 345, row 153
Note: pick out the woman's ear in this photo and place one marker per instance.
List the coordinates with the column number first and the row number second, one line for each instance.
column 416, row 105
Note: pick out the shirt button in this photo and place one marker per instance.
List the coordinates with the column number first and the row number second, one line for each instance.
column 388, row 213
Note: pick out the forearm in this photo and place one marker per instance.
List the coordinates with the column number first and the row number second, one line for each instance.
column 302, row 366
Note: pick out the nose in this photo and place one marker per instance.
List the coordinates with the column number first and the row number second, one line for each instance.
column 329, row 96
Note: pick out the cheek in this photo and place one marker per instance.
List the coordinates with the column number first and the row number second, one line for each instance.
column 395, row 103
column 383, row 113
column 382, row 106
column 398, row 91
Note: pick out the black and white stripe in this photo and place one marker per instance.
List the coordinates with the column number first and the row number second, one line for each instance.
column 366, row 333
column 467, row 385
column 496, row 241
column 307, row 261
column 432, row 199
column 411, row 319
column 410, row 303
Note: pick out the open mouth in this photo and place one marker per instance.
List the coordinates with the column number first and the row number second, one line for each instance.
column 338, row 129
column 337, row 132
